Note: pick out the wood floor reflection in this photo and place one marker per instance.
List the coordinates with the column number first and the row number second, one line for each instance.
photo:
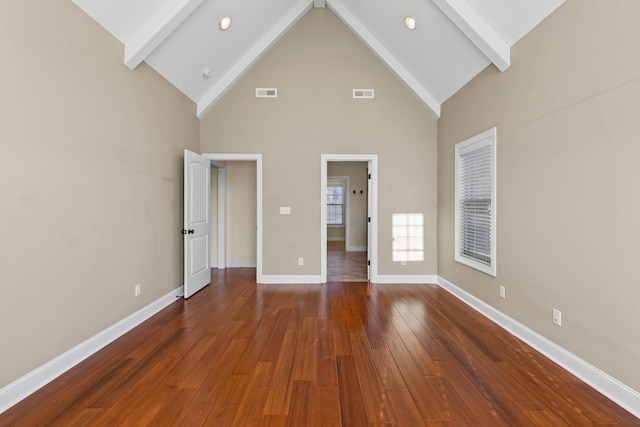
column 343, row 266
column 338, row 354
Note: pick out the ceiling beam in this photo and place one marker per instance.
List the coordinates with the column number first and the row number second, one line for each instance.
column 318, row 3
column 478, row 31
column 226, row 82
column 156, row 30
column 384, row 55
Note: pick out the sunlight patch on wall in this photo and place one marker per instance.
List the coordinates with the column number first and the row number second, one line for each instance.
column 408, row 237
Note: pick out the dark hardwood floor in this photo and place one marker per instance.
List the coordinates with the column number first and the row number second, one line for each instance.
column 341, row 354
column 343, row 266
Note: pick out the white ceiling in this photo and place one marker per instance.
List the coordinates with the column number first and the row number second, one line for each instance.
column 453, row 41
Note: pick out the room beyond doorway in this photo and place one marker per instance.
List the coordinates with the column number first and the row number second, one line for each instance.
column 359, row 225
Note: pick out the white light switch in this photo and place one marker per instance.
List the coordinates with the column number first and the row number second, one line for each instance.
column 285, row 210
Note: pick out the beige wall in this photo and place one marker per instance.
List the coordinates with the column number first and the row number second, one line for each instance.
column 90, row 182
column 336, row 233
column 357, row 173
column 315, row 66
column 568, row 201
column 241, row 212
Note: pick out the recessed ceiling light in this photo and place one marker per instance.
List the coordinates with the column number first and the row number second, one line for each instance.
column 410, row 22
column 225, row 23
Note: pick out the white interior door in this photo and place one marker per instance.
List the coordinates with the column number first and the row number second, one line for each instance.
column 197, row 227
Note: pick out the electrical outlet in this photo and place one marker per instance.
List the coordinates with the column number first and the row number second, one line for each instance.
column 300, row 261
column 136, row 290
column 503, row 292
column 557, row 317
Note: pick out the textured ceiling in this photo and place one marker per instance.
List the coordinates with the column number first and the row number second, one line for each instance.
column 453, row 41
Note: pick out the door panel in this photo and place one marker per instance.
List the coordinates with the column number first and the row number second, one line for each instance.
column 197, row 228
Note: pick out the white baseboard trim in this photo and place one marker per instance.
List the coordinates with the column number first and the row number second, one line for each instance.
column 384, row 279
column 357, row 249
column 241, row 264
column 237, row 264
column 39, row 377
column 615, row 390
column 286, row 279
column 335, row 239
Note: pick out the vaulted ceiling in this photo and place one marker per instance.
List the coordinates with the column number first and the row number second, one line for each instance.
column 452, row 42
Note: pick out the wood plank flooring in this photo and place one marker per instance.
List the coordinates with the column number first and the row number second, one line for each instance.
column 345, row 266
column 341, row 354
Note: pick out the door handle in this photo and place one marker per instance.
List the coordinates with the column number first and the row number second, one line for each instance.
column 183, row 231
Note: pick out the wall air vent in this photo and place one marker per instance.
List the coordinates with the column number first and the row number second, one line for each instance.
column 363, row 94
column 262, row 92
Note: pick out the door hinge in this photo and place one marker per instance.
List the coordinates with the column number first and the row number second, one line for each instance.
column 369, row 176
column 368, row 262
column 369, row 219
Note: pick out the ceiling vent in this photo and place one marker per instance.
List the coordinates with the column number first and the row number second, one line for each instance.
column 363, row 94
column 262, row 92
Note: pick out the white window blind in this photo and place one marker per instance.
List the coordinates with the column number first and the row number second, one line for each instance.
column 335, row 203
column 475, row 202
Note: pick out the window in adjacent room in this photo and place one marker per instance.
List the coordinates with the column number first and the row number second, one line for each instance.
column 335, row 202
column 475, row 202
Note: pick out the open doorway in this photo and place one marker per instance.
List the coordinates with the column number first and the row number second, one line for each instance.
column 237, row 211
column 348, row 223
column 347, row 197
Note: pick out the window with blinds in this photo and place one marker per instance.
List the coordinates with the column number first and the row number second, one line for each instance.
column 475, row 213
column 335, row 202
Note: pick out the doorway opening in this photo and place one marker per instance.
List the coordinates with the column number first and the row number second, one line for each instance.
column 348, row 220
column 233, row 237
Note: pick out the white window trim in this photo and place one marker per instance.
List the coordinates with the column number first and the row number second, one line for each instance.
column 481, row 140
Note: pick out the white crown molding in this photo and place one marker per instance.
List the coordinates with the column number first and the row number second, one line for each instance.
column 157, row 29
column 478, row 31
column 384, row 55
column 39, row 377
column 615, row 390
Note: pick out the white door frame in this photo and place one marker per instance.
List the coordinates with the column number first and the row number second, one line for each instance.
column 372, row 243
column 222, row 235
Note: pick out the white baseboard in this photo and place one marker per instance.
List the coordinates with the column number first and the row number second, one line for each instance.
column 286, row 279
column 615, row 390
column 241, row 264
column 335, row 239
column 357, row 249
column 384, row 279
column 39, row 377
column 237, row 264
